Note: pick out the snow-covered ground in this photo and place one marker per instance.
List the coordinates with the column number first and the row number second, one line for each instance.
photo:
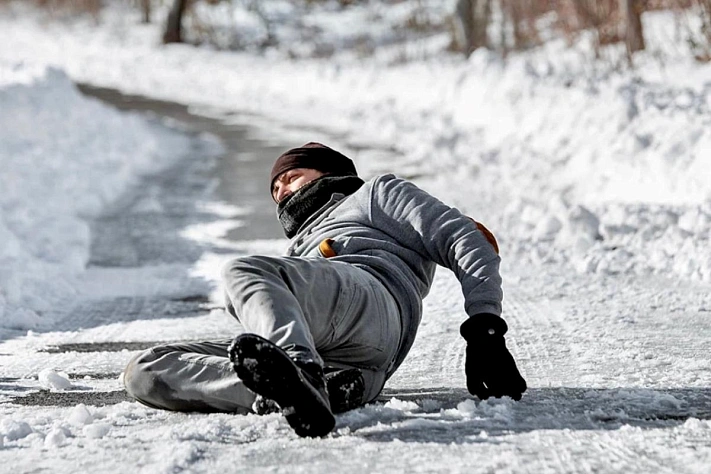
column 597, row 183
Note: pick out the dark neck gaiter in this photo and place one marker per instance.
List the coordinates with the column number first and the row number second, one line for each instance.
column 295, row 209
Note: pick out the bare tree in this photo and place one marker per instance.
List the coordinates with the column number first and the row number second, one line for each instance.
column 174, row 26
column 472, row 22
column 705, row 9
column 601, row 16
column 634, row 36
column 522, row 16
column 92, row 7
column 146, row 9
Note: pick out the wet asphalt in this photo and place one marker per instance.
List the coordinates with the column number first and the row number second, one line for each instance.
column 128, row 235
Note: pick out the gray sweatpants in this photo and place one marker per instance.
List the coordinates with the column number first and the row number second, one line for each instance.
column 331, row 312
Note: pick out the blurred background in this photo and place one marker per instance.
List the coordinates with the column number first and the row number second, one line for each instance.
column 321, row 28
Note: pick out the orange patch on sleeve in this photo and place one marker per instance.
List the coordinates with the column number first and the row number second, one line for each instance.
column 489, row 236
column 325, row 248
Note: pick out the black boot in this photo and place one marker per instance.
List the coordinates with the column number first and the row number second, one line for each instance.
column 345, row 387
column 297, row 387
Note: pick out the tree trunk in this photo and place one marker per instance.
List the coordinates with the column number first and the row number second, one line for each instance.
column 146, row 9
column 473, row 17
column 634, row 37
column 173, row 28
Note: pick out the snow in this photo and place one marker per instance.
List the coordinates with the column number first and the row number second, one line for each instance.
column 50, row 379
column 596, row 181
column 63, row 159
column 13, row 430
column 55, row 438
column 96, row 430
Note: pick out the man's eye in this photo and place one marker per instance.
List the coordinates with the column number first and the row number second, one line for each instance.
column 292, row 178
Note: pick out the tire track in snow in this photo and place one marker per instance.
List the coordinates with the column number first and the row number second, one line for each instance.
column 535, row 325
column 625, row 458
column 537, row 329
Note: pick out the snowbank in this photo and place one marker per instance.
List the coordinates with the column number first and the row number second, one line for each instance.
column 63, row 158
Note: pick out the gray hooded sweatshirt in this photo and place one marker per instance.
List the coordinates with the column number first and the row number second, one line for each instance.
column 399, row 233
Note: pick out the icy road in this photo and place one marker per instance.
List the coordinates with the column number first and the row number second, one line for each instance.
column 619, row 366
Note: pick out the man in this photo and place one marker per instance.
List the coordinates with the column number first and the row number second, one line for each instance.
column 327, row 324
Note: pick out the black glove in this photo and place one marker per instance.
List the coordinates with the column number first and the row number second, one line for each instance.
column 490, row 367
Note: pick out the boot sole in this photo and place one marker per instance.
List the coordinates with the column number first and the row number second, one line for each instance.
column 267, row 370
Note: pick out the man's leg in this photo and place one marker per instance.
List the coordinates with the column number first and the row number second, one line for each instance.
column 319, row 310
column 187, row 377
column 200, row 377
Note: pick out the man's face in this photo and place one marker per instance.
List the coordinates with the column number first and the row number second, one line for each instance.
column 290, row 181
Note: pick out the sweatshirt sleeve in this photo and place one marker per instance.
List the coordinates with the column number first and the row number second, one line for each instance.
column 443, row 235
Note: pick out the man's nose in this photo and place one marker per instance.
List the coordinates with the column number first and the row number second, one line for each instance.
column 282, row 193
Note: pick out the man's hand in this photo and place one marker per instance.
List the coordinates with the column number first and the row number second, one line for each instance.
column 490, row 368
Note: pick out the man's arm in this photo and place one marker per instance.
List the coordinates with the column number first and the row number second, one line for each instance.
column 445, row 236
column 442, row 235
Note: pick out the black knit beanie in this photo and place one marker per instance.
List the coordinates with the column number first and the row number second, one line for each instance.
column 313, row 156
